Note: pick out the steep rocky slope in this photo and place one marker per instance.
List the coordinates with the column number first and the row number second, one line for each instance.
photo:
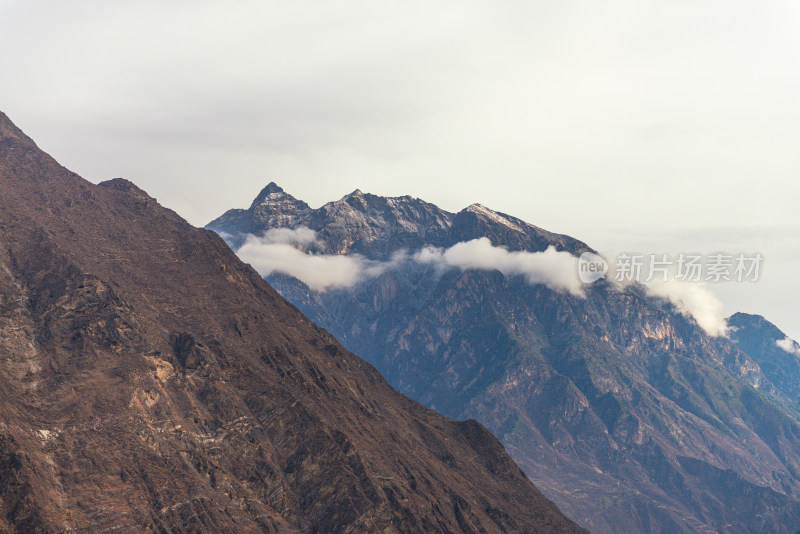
column 150, row 381
column 622, row 410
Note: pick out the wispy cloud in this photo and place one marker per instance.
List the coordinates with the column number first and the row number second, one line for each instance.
column 277, row 251
column 319, row 272
column 789, row 345
column 557, row 270
column 301, row 235
column 693, row 300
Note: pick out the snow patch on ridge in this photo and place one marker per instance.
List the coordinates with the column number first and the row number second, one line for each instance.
column 493, row 216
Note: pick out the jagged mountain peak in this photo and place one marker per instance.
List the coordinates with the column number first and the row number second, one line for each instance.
column 272, row 208
column 271, row 192
column 272, row 187
column 378, row 225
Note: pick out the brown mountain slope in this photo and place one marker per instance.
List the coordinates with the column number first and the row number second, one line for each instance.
column 150, row 380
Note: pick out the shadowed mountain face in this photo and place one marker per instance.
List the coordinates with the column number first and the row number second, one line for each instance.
column 622, row 410
column 776, row 354
column 150, row 381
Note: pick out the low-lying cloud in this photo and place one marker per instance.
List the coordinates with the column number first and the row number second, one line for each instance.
column 277, row 251
column 300, row 236
column 556, row 270
column 319, row 272
column 789, row 345
column 693, row 300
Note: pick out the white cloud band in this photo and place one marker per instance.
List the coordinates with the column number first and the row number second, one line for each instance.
column 276, row 252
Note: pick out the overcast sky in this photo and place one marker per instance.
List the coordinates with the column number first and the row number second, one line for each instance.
column 633, row 125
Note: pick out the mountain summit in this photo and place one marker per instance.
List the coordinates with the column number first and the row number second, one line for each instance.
column 152, row 382
column 626, row 413
column 271, row 191
column 378, row 226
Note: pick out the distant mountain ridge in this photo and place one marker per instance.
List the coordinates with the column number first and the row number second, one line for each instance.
column 621, row 409
column 377, row 226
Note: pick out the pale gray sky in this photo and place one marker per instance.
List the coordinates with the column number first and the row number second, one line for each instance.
column 633, row 125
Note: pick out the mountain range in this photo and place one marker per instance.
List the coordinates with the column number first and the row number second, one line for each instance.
column 620, row 407
column 152, row 382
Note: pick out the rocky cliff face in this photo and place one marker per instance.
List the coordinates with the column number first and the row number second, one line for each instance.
column 622, row 410
column 150, row 381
